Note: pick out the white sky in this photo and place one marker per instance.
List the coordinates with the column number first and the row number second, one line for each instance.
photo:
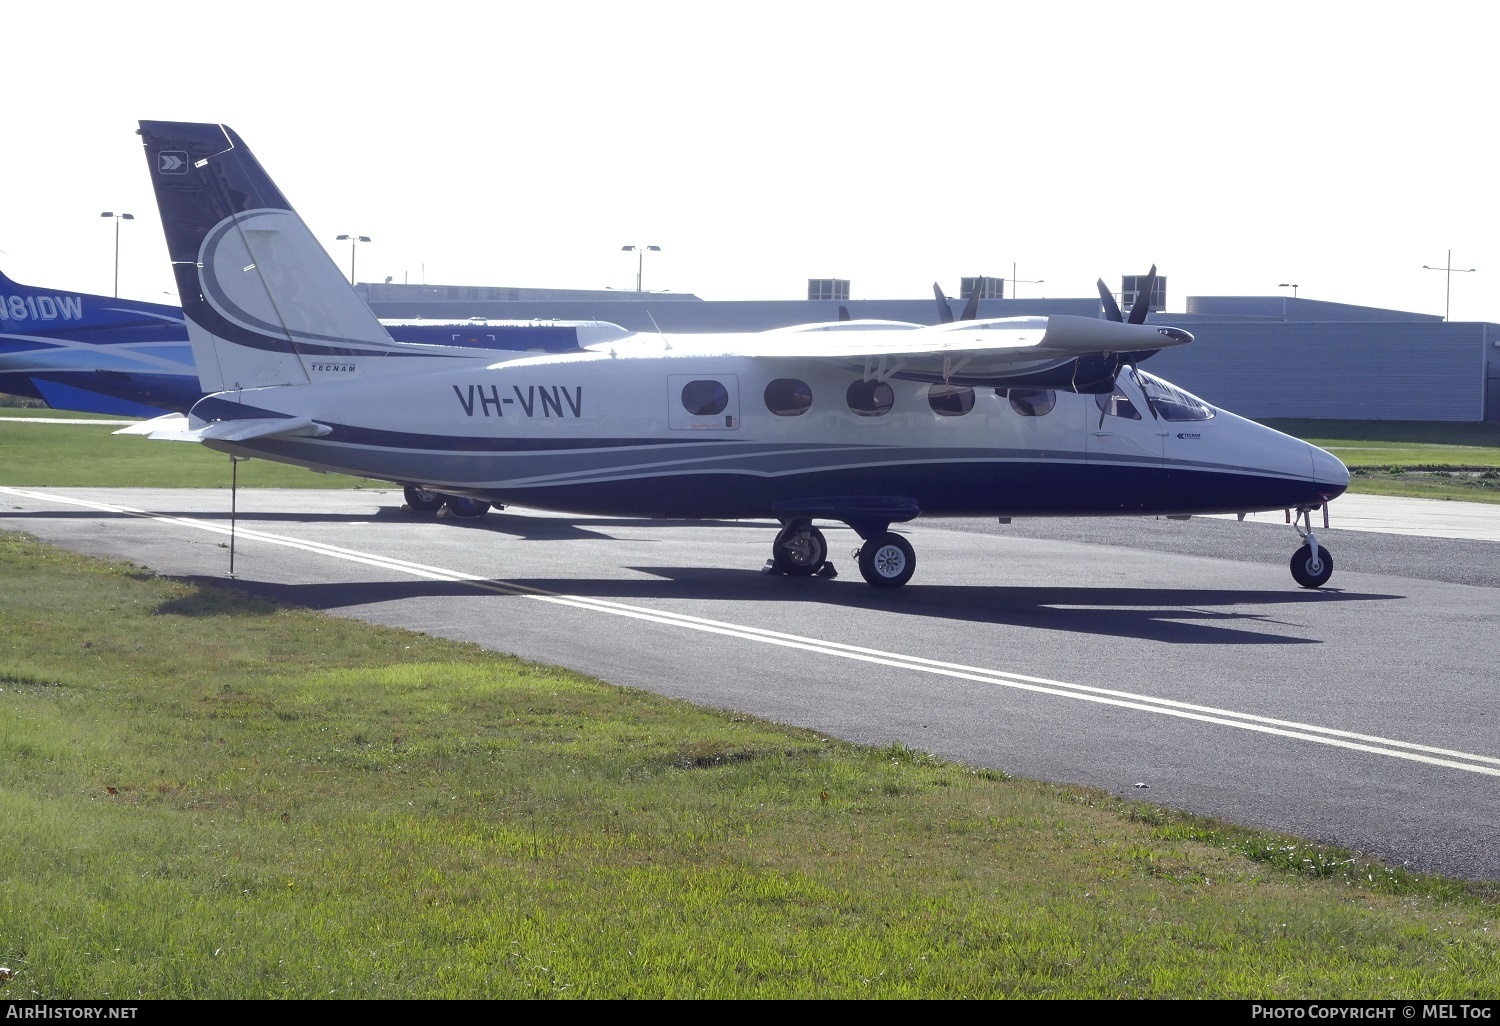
column 1337, row 145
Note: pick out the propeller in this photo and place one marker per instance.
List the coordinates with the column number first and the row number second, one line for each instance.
column 971, row 308
column 1138, row 309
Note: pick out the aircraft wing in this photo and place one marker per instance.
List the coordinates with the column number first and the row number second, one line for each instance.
column 972, row 352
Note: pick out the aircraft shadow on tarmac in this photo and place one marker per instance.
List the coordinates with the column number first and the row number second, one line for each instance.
column 1186, row 616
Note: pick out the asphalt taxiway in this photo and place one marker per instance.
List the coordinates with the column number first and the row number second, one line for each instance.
column 1174, row 662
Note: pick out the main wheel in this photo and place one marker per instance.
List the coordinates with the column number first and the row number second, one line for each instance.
column 799, row 550
column 463, row 506
column 423, row 500
column 1308, row 573
column 887, row 561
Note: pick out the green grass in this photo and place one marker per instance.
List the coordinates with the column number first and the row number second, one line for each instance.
column 209, row 796
column 1411, row 458
column 92, row 456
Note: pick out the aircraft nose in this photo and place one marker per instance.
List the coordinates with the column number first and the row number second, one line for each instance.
column 1329, row 473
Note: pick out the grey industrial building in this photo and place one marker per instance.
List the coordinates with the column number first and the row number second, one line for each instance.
column 1259, row 356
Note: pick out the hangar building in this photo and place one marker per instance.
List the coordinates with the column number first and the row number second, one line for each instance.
column 1258, row 356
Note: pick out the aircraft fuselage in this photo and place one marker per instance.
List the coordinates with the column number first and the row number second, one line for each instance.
column 639, row 430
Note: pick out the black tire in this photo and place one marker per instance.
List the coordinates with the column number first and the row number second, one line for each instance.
column 887, row 561
column 799, row 550
column 423, row 500
column 1308, row 575
column 465, row 507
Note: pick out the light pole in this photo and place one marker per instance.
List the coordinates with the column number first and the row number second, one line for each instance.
column 1289, row 285
column 118, row 218
column 1014, row 280
column 1449, row 269
column 640, row 260
column 353, row 240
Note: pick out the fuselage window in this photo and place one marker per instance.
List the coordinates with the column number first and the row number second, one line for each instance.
column 950, row 400
column 1116, row 404
column 704, row 398
column 788, row 397
column 1172, row 403
column 870, row 398
column 1030, row 402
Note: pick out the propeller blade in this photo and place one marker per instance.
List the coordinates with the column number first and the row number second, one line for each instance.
column 945, row 312
column 1142, row 304
column 844, row 313
column 971, row 308
column 1111, row 308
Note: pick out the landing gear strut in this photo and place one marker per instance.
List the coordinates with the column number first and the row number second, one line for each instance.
column 420, row 499
column 1312, row 564
column 423, row 500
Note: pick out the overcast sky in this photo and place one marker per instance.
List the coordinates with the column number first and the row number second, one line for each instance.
column 1338, row 146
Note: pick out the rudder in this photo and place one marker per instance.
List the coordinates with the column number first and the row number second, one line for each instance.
column 259, row 293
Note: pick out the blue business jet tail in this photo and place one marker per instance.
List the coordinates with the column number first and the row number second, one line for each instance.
column 95, row 354
column 265, row 303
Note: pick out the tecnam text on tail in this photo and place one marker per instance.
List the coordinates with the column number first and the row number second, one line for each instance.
column 865, row 424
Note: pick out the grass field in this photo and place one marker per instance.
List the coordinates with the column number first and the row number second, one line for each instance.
column 209, row 796
column 1419, row 459
column 92, row 456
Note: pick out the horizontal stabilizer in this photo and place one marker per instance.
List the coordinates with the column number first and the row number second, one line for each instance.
column 172, row 422
column 263, row 427
column 175, row 428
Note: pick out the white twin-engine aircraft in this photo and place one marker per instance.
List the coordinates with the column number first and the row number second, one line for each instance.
column 864, row 423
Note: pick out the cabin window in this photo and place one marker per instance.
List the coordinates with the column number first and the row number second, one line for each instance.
column 1172, row 403
column 1029, row 402
column 950, row 400
column 788, row 397
column 1116, row 404
column 870, row 398
column 705, row 398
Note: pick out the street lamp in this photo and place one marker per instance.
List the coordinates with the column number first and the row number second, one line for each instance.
column 1289, row 285
column 352, row 240
column 118, row 218
column 640, row 260
column 1448, row 291
column 1014, row 280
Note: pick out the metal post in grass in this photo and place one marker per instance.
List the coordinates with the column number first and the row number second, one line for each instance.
column 234, row 494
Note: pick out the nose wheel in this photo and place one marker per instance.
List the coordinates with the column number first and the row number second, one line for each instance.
column 1311, row 567
column 1312, row 564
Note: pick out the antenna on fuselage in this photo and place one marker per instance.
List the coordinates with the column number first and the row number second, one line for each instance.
column 663, row 334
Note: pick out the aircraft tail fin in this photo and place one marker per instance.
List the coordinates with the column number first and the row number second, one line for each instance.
column 261, row 296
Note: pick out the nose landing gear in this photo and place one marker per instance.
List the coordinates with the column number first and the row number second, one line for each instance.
column 1312, row 564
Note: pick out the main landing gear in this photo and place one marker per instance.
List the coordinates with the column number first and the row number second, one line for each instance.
column 885, row 560
column 426, row 500
column 1312, row 564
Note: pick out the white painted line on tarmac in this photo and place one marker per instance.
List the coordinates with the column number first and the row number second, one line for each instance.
column 1372, row 744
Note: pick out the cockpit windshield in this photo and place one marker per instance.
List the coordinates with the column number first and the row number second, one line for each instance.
column 1172, row 403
